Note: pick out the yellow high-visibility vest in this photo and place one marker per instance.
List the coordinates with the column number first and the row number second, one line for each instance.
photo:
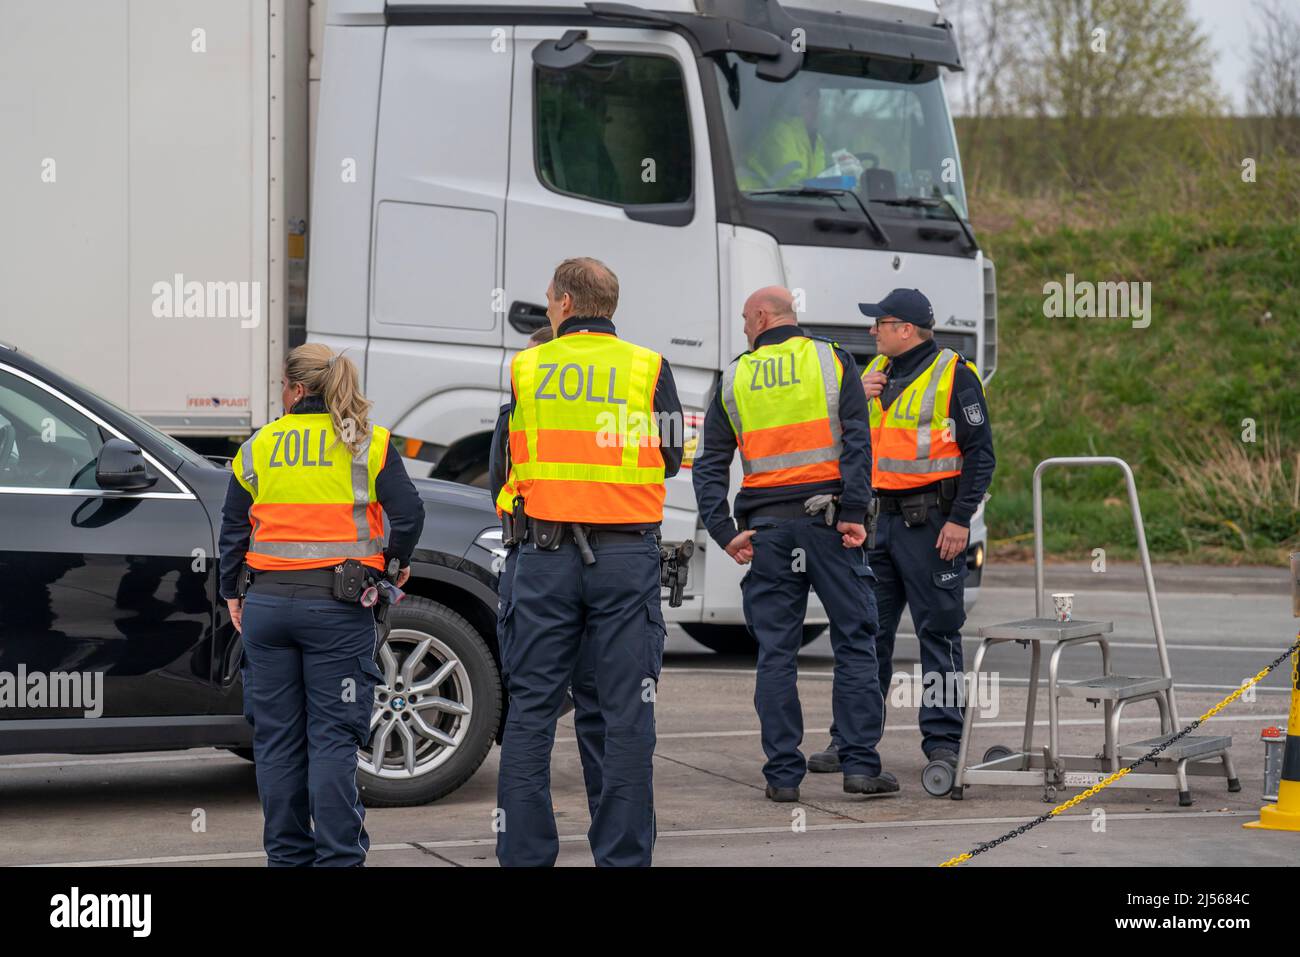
column 783, row 401
column 314, row 502
column 505, row 501
column 914, row 442
column 584, row 441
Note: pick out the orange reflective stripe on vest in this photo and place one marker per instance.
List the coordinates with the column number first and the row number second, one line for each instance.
column 313, row 500
column 913, row 442
column 584, row 440
column 783, row 401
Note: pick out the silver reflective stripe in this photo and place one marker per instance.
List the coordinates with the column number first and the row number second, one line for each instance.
column 925, row 419
column 789, row 460
column 318, row 550
column 920, row 466
column 826, row 357
column 727, row 388
column 246, row 456
column 361, row 488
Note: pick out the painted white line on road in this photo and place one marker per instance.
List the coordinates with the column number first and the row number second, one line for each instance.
column 195, row 858
column 911, row 728
column 1006, row 681
column 1150, row 645
column 663, row 835
column 669, row 735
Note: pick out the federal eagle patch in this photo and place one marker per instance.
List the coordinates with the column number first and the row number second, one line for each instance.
column 973, row 414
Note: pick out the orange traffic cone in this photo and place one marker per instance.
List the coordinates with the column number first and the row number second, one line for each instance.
column 1285, row 814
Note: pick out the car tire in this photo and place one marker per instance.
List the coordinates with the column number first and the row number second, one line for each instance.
column 439, row 770
column 736, row 639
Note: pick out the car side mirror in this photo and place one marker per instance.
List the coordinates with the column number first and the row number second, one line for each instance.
column 121, row 467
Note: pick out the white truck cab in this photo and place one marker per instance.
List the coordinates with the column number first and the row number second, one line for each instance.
column 463, row 150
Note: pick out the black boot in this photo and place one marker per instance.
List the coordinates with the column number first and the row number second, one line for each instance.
column 825, row 762
column 884, row 783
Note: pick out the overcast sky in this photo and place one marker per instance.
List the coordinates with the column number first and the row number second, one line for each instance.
column 1228, row 22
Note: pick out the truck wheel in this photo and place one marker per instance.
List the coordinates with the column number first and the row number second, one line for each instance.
column 436, row 711
column 736, row 639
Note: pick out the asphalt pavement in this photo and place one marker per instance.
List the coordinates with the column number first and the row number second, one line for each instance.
column 200, row 807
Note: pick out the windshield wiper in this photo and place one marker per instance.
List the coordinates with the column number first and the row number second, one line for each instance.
column 935, row 202
column 827, row 191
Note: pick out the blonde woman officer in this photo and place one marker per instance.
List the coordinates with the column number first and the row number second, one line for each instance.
column 303, row 527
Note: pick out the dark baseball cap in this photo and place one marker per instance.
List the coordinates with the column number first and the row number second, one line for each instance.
column 910, row 305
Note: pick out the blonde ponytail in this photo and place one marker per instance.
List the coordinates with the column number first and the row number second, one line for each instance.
column 336, row 380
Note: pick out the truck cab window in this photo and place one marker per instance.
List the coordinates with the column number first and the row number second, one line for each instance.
column 878, row 127
column 615, row 130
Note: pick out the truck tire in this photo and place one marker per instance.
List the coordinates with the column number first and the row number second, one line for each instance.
column 736, row 639
column 426, row 639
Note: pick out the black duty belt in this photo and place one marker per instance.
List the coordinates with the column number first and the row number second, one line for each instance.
column 597, row 536
column 777, row 510
column 893, row 504
column 319, row 577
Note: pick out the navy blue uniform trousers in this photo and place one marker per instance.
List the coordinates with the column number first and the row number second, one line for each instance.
column 309, row 689
column 789, row 556
column 588, row 723
column 909, row 572
column 560, row 610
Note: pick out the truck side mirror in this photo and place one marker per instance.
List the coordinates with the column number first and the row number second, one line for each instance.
column 565, row 53
column 121, row 467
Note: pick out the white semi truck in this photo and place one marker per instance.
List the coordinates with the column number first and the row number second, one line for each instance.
column 157, row 177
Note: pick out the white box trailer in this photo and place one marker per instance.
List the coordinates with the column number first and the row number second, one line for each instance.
column 159, row 156
column 154, row 192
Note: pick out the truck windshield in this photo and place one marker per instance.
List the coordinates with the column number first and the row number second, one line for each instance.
column 845, row 121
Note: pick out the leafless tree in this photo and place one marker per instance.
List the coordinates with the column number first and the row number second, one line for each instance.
column 1274, row 88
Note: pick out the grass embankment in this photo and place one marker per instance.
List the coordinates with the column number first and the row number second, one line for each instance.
column 1173, row 399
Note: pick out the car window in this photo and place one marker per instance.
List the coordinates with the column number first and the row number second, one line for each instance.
column 44, row 442
column 615, row 129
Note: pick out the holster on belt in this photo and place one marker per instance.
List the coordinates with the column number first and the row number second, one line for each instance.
column 514, row 524
column 873, row 520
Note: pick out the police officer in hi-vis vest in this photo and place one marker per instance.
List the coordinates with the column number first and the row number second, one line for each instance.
column 793, row 407
column 595, row 427
column 932, row 461
column 302, row 535
column 588, row 723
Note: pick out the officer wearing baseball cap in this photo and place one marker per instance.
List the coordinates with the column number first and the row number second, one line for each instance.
column 932, row 461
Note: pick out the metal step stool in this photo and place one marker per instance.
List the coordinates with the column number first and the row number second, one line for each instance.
column 1050, row 768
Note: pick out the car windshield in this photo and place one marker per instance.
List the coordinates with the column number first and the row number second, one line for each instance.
column 844, row 121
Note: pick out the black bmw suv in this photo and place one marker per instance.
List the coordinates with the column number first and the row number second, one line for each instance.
column 113, row 636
